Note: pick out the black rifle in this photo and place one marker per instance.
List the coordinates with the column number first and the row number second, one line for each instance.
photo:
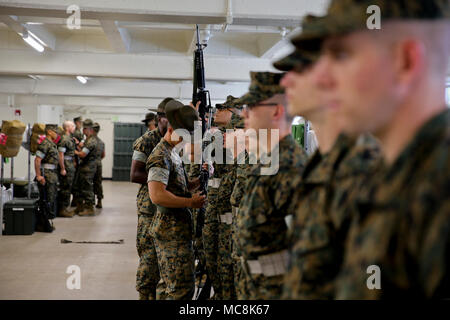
column 202, row 95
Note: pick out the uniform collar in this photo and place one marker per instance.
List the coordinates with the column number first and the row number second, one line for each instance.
column 430, row 134
column 321, row 167
column 283, row 144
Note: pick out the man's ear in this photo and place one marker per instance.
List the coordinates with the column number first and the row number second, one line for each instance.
column 410, row 60
column 278, row 112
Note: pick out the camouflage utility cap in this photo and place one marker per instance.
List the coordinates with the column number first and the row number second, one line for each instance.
column 296, row 61
column 88, row 123
column 230, row 103
column 345, row 16
column 263, row 86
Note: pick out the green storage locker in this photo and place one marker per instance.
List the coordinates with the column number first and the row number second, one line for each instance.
column 124, row 136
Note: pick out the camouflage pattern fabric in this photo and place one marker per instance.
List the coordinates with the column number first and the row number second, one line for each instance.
column 88, row 167
column 210, row 232
column 329, row 184
column 78, row 134
column 224, row 259
column 236, row 122
column 147, row 276
column 48, row 152
column 142, row 148
column 296, row 61
column 176, row 264
column 402, row 224
column 172, row 228
column 239, row 190
column 193, row 171
column 67, row 146
column 263, row 86
column 230, row 103
column 262, row 228
column 344, row 16
column 98, row 177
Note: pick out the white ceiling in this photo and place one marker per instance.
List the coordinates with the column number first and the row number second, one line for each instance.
column 139, row 51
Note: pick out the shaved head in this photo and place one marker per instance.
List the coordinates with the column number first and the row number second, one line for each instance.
column 432, row 35
column 69, row 126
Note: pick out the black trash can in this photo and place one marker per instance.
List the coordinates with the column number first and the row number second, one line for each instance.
column 20, row 216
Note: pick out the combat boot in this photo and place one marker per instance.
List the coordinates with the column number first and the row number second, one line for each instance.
column 79, row 208
column 87, row 211
column 99, row 203
column 74, row 202
column 66, row 213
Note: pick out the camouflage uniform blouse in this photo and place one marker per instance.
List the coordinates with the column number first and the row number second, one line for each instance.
column 166, row 167
column 262, row 228
column 402, row 224
column 330, row 183
column 143, row 147
column 91, row 150
column 48, row 152
column 78, row 134
column 67, row 147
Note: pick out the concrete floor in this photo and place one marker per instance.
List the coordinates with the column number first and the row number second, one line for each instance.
column 34, row 267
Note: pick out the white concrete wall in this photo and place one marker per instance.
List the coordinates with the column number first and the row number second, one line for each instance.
column 28, row 115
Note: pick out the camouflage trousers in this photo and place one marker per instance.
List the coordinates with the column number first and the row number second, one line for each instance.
column 241, row 286
column 98, row 187
column 176, row 267
column 50, row 188
column 75, row 188
column 86, row 185
column 210, row 247
column 225, row 262
column 260, row 287
column 65, row 186
column 147, row 276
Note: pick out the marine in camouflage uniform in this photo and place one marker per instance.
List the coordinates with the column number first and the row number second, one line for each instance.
column 66, row 146
column 224, row 209
column 172, row 228
column 320, row 226
column 87, row 169
column 47, row 151
column 239, row 190
column 400, row 231
column 224, row 217
column 402, row 224
column 210, row 231
column 147, row 276
column 79, row 136
column 148, row 280
column 98, row 177
column 261, row 227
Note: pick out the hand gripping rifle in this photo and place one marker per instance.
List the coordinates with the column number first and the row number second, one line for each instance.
column 202, row 95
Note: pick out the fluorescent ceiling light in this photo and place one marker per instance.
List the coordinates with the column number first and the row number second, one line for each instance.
column 37, row 39
column 33, row 42
column 82, row 79
column 34, row 77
